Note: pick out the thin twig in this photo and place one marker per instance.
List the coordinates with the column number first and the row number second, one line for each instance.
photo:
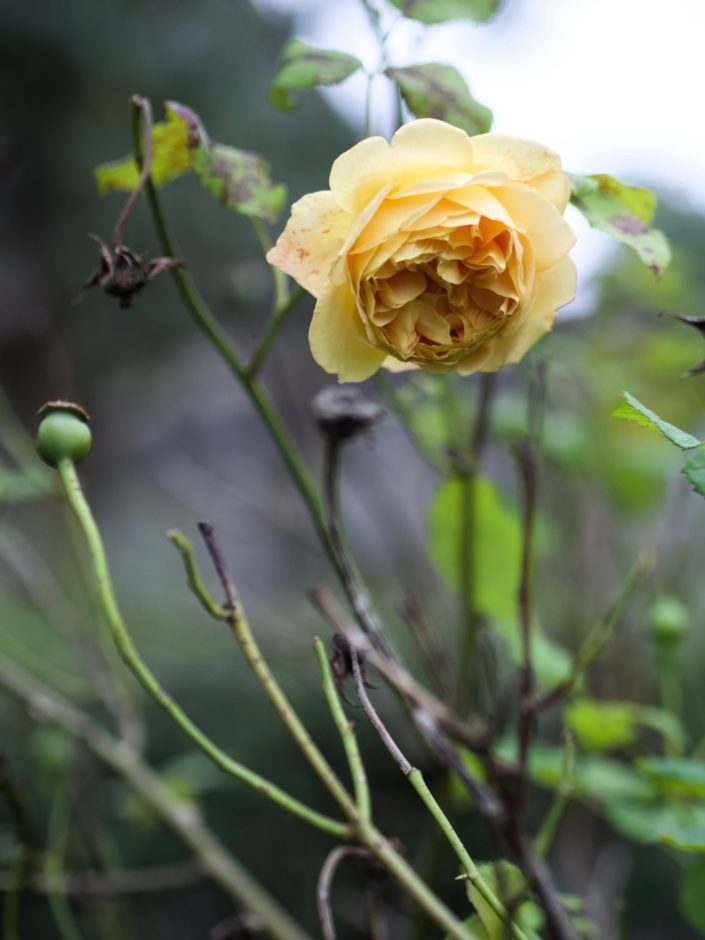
column 598, row 636
column 325, row 880
column 146, row 108
column 242, row 632
column 346, row 729
column 277, row 320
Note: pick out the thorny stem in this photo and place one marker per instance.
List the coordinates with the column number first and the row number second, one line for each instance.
column 346, row 729
column 415, row 778
column 209, row 326
column 126, row 648
column 182, row 818
column 527, row 712
column 239, row 624
column 144, row 105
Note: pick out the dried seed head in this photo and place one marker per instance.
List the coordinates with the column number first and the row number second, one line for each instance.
column 343, row 412
column 123, row 273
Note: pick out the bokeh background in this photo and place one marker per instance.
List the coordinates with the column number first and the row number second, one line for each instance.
column 613, row 89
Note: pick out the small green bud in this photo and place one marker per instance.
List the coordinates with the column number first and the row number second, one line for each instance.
column 63, row 433
column 669, row 619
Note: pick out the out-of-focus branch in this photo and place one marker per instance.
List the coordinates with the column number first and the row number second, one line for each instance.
column 17, row 879
column 182, row 818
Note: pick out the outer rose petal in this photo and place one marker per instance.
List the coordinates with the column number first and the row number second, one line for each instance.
column 549, row 234
column 419, row 151
column 337, row 337
column 526, row 162
column 311, row 240
column 398, row 365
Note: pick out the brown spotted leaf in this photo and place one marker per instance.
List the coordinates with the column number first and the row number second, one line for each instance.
column 238, row 179
column 431, row 12
column 439, row 91
column 304, row 67
column 625, row 213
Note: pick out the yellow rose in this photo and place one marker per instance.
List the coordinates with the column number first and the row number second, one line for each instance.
column 436, row 250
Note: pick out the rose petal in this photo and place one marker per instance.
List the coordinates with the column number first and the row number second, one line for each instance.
column 526, row 162
column 546, row 230
column 337, row 337
column 419, row 151
column 311, row 240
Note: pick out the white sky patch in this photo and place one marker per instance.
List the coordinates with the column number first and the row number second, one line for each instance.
column 614, row 86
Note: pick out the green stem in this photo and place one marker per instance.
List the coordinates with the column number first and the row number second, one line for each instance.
column 126, row 648
column 549, row 827
column 257, row 663
column 346, row 729
column 275, row 324
column 415, row 778
column 209, row 326
column 182, row 818
column 671, row 689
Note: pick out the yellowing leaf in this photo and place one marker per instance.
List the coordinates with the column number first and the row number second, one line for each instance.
column 624, row 212
column 170, row 159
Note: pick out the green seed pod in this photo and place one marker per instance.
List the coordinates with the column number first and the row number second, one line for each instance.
column 669, row 619
column 63, row 433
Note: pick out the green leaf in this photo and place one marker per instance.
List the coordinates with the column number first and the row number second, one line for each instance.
column 431, row 12
column 691, row 897
column 676, row 775
column 624, row 212
column 631, row 409
column 508, row 883
column 601, row 726
column 238, row 179
column 170, row 159
column 606, row 726
column 304, row 67
column 694, row 470
column 496, row 543
column 440, row 91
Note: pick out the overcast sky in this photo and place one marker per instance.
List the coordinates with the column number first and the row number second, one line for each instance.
column 614, row 86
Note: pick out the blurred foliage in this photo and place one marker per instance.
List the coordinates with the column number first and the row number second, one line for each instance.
column 174, row 439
